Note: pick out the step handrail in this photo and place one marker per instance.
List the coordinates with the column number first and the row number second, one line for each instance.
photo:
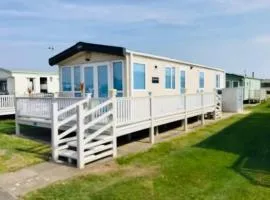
column 98, row 107
column 73, row 106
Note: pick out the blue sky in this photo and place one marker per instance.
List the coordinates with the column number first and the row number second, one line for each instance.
column 231, row 34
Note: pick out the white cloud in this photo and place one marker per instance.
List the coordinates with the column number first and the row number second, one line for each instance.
column 262, row 39
column 118, row 13
column 241, row 6
column 168, row 12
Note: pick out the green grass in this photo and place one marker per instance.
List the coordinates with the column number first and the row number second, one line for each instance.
column 226, row 160
column 17, row 152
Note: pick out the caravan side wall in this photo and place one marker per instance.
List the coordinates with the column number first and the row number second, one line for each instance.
column 151, row 72
column 156, row 68
column 251, row 85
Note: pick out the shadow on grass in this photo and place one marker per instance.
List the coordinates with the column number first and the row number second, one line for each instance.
column 38, row 134
column 39, row 151
column 250, row 139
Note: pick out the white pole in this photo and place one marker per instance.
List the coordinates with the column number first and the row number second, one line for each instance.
column 16, row 117
column 215, row 103
column 152, row 131
column 54, row 131
column 186, row 118
column 202, row 103
column 114, row 119
column 80, row 137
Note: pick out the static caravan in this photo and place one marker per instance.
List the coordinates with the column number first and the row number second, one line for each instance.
column 101, row 68
column 251, row 86
column 234, row 80
column 112, row 92
column 19, row 83
column 265, row 84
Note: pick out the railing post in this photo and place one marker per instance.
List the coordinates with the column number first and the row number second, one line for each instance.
column 202, row 105
column 151, row 130
column 114, row 120
column 16, row 117
column 215, row 103
column 186, row 118
column 54, row 131
column 80, row 137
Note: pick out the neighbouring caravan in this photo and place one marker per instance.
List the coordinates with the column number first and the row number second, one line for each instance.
column 265, row 84
column 101, row 68
column 20, row 83
column 251, row 85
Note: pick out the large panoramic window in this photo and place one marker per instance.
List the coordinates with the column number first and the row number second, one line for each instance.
column 103, row 81
column 66, row 79
column 89, row 80
column 170, row 78
column 118, row 78
column 182, row 81
column 217, row 81
column 201, row 80
column 139, row 76
column 77, row 79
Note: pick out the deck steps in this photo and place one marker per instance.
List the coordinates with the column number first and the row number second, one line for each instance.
column 99, row 156
column 98, row 141
column 95, row 153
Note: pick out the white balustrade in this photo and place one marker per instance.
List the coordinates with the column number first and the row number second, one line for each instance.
column 167, row 105
column 130, row 110
column 6, row 101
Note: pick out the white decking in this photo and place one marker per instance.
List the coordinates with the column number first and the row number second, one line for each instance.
column 7, row 105
column 85, row 130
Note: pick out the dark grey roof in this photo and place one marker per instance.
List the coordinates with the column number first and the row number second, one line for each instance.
column 87, row 47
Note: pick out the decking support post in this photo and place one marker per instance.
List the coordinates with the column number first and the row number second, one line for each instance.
column 202, row 104
column 215, row 103
column 16, row 117
column 80, row 136
column 152, row 131
column 186, row 118
column 54, row 131
column 114, row 119
column 129, row 137
column 157, row 130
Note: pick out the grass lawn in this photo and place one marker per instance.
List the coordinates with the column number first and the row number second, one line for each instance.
column 16, row 152
column 226, row 160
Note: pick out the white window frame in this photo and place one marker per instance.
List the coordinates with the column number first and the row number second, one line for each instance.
column 201, row 88
column 95, row 78
column 182, row 70
column 171, row 84
column 145, row 78
column 219, row 86
column 123, row 75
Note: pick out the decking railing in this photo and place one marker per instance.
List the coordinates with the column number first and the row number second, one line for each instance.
column 7, row 105
column 89, row 126
column 37, row 107
column 131, row 110
column 6, row 101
